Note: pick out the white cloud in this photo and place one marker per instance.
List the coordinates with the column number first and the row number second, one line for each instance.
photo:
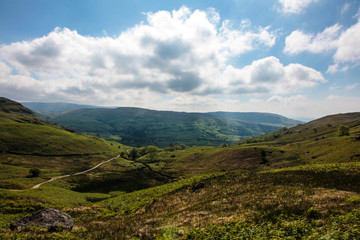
column 349, row 45
column 268, row 75
column 345, row 7
column 298, row 41
column 175, row 60
column 179, row 51
column 295, row 6
column 345, row 45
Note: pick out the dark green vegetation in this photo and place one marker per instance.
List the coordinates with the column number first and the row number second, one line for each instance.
column 265, row 118
column 142, row 127
column 296, row 183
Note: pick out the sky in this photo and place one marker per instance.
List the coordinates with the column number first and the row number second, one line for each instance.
column 297, row 58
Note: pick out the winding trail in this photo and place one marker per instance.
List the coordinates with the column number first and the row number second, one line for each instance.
column 90, row 169
column 69, row 175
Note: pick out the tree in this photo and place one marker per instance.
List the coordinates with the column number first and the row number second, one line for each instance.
column 343, row 130
column 133, row 154
column 182, row 146
column 34, row 172
column 151, row 149
column 152, row 152
column 153, row 156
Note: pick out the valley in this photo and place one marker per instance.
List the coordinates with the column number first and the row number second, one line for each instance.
column 142, row 127
column 269, row 180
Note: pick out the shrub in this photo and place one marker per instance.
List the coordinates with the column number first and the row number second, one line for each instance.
column 343, row 130
column 34, row 172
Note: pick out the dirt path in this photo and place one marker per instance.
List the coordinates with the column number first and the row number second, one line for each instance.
column 69, row 175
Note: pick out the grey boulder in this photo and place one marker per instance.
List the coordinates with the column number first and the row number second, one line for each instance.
column 50, row 218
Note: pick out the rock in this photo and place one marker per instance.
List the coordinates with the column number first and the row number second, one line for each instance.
column 198, row 186
column 50, row 218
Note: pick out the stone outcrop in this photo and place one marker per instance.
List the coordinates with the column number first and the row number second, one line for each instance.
column 49, row 218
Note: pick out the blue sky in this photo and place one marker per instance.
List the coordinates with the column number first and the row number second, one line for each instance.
column 298, row 58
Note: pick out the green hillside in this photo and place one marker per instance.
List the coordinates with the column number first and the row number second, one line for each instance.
column 28, row 141
column 255, row 117
column 141, row 127
column 294, row 183
column 301, row 184
column 24, row 133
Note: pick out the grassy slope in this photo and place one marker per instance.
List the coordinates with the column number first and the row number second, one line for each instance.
column 28, row 141
column 140, row 127
column 312, row 191
column 24, row 133
column 307, row 187
column 268, row 118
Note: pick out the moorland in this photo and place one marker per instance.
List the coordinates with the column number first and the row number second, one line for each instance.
column 299, row 182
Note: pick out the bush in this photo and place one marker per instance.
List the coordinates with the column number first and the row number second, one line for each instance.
column 134, row 154
column 343, row 130
column 34, row 172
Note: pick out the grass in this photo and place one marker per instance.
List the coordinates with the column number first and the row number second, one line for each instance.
column 25, row 145
column 307, row 202
column 131, row 202
column 33, row 139
column 297, row 183
column 340, row 227
column 293, row 204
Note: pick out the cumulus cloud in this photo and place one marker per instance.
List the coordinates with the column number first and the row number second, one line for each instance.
column 269, row 75
column 178, row 54
column 298, row 41
column 295, row 6
column 344, row 43
column 178, row 51
column 348, row 49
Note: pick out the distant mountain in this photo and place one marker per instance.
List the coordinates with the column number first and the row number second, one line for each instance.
column 141, row 127
column 54, row 107
column 256, row 117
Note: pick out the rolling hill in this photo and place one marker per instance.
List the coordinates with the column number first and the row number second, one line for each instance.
column 294, row 183
column 28, row 141
column 22, row 132
column 256, row 117
column 141, row 127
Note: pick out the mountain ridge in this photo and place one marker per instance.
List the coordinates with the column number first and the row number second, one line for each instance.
column 140, row 126
column 258, row 117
